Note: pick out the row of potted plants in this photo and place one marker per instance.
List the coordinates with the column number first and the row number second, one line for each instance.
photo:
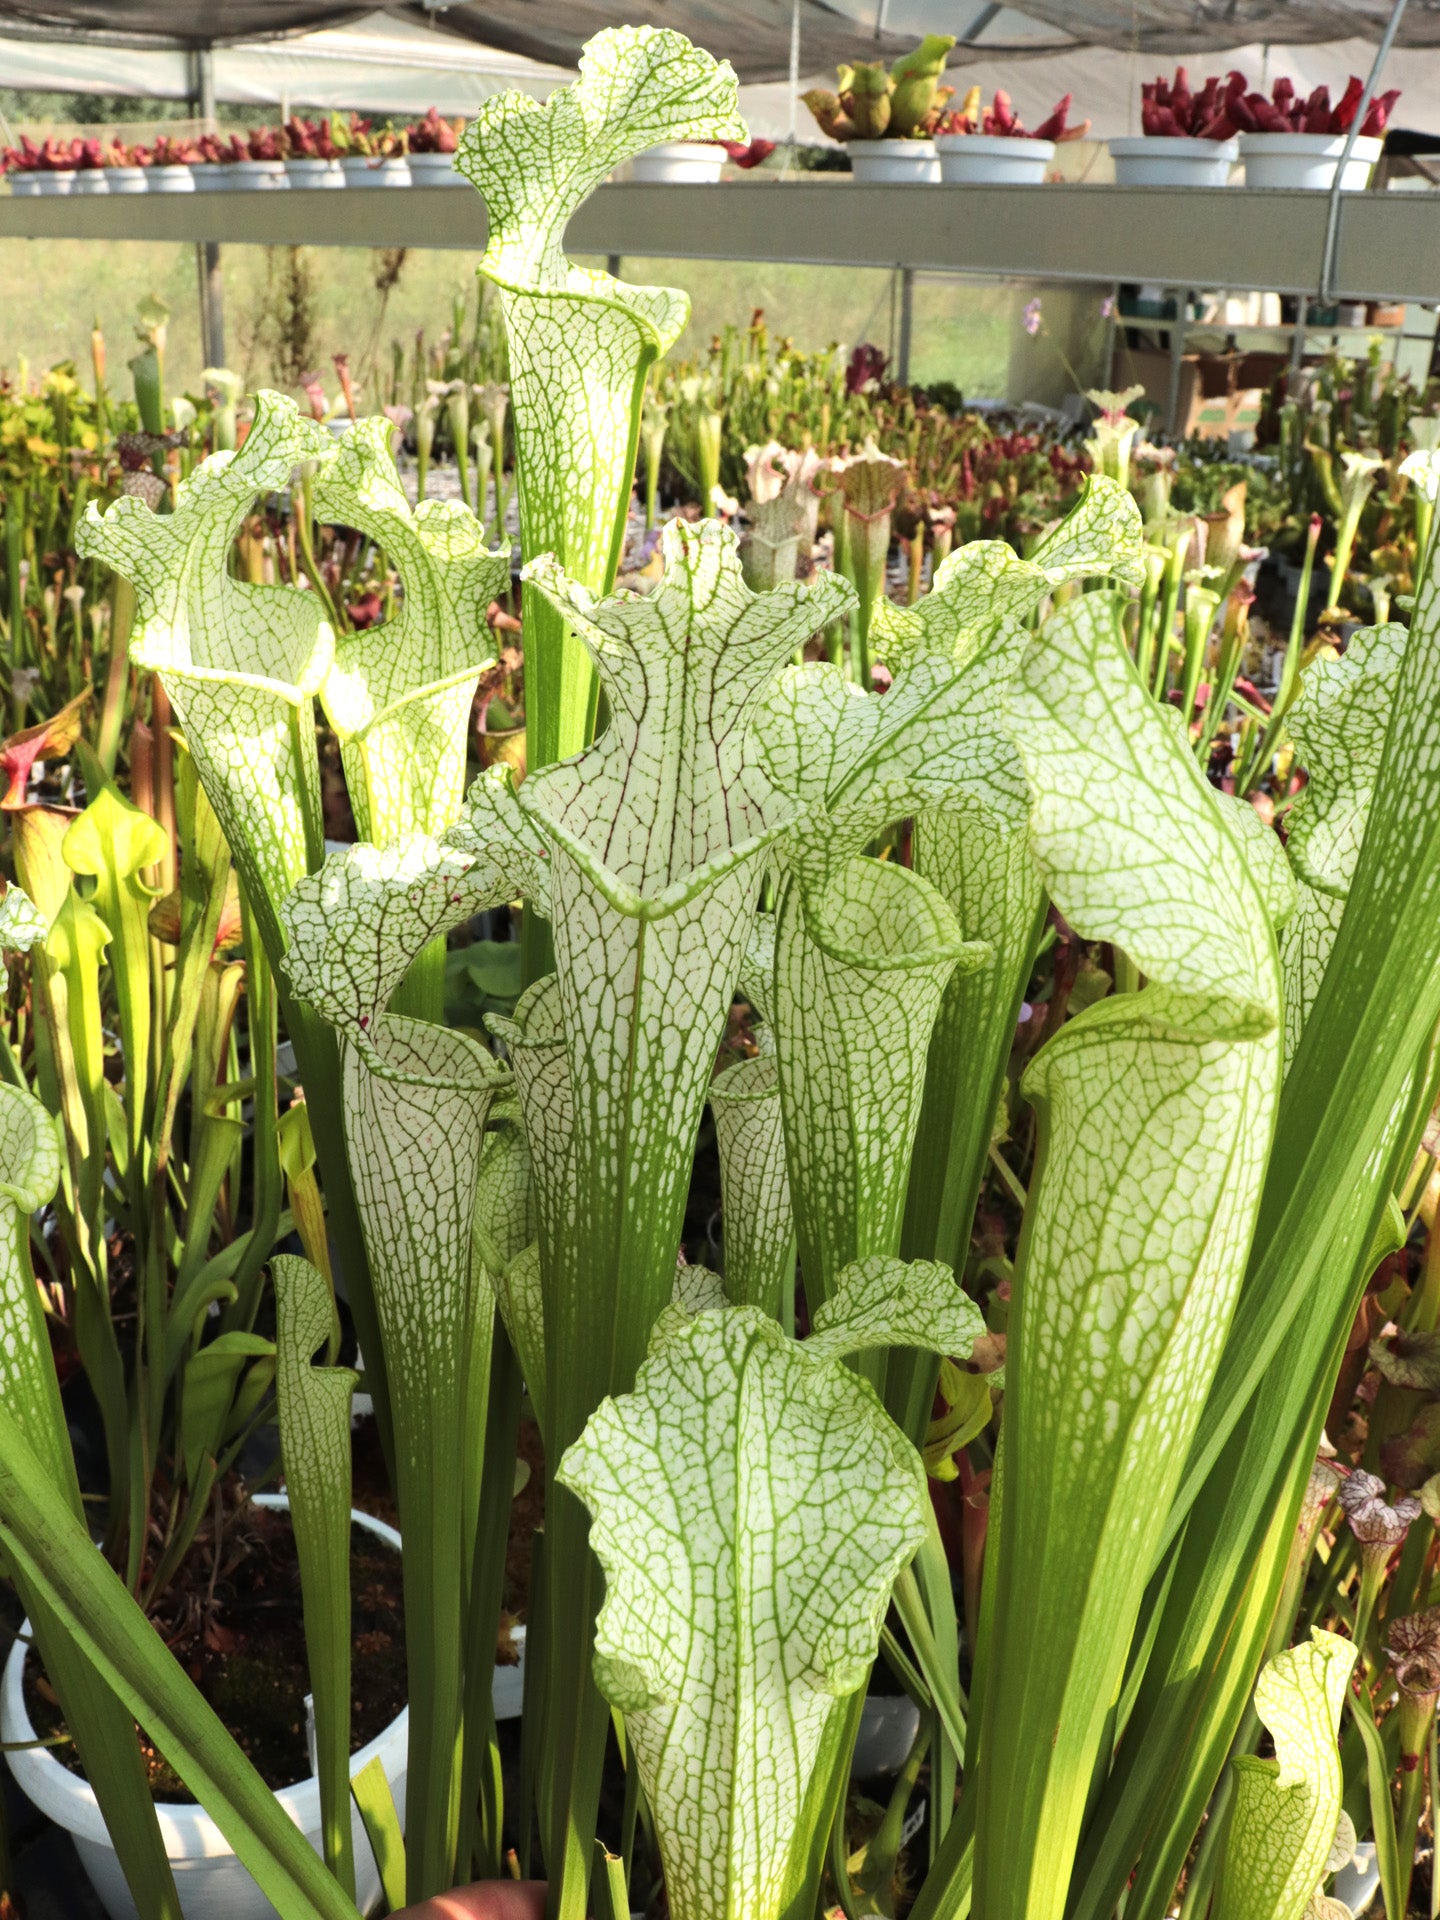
column 897, row 125
column 335, row 152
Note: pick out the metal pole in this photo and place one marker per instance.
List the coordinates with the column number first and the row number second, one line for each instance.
column 1332, row 216
column 207, row 252
column 907, row 321
column 1177, row 358
column 793, row 135
column 1297, row 343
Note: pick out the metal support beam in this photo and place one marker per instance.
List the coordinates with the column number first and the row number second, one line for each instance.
column 1327, row 291
column 207, row 252
column 907, row 324
column 1297, row 343
column 1177, row 357
column 1389, row 243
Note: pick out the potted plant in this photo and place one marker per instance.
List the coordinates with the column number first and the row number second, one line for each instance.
column 214, row 157
column 370, row 156
column 209, row 1879
column 430, row 145
column 1188, row 139
column 124, row 172
column 980, row 145
column 759, row 1482
column 206, row 1194
column 92, row 173
column 257, row 160
column 169, row 167
column 886, row 120
column 311, row 157
column 1287, row 141
column 45, row 169
column 689, row 163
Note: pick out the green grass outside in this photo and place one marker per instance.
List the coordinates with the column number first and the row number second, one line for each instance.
column 52, row 291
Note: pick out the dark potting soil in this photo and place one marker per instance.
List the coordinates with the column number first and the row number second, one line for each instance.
column 246, row 1654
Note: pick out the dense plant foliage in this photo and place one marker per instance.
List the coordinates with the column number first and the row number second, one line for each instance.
column 1054, row 1009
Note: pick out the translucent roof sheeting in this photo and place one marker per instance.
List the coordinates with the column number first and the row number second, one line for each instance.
column 754, row 35
column 375, row 65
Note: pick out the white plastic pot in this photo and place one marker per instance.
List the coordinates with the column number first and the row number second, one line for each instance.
column 210, row 176
column 1150, row 161
column 434, row 170
column 258, row 176
column 314, row 173
column 989, row 159
column 890, row 162
column 169, row 180
column 127, row 179
column 685, row 163
column 211, row 1882
column 92, row 180
column 362, row 171
column 53, row 183
column 1306, row 160
column 888, row 1726
column 25, row 185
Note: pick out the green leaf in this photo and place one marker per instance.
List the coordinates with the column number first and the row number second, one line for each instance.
column 376, row 1802
column 580, row 343
column 858, row 978
column 113, row 842
column 986, row 581
column 103, row 1731
column 1339, row 724
column 208, row 1388
column 242, row 664
column 895, row 1303
column 58, row 1561
column 657, row 837
column 21, row 921
column 1155, row 1116
column 1282, row 1825
column 758, row 1223
column 355, row 927
column 399, row 695
column 416, row 1100
column 752, row 1506
column 314, row 1411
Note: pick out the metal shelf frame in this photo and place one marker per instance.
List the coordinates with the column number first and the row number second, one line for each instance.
column 1388, row 244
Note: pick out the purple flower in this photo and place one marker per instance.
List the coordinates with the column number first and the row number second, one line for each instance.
column 1031, row 317
column 1107, row 307
column 1373, row 1521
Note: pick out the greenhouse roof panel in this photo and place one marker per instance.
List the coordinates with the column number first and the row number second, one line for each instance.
column 755, row 35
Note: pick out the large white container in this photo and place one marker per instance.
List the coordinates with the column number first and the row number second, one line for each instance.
column 893, row 162
column 361, row 170
column 61, row 181
column 211, row 176
column 1307, row 160
column 1147, row 160
column 92, row 180
column 686, row 163
column 437, row 170
column 25, row 185
column 211, row 1882
column 169, row 180
column 258, row 176
column 990, row 159
column 127, row 179
column 314, row 173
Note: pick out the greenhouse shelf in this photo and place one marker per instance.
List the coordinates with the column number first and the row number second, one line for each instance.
column 1389, row 243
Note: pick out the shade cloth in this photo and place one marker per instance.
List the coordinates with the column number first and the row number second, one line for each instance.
column 753, row 34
